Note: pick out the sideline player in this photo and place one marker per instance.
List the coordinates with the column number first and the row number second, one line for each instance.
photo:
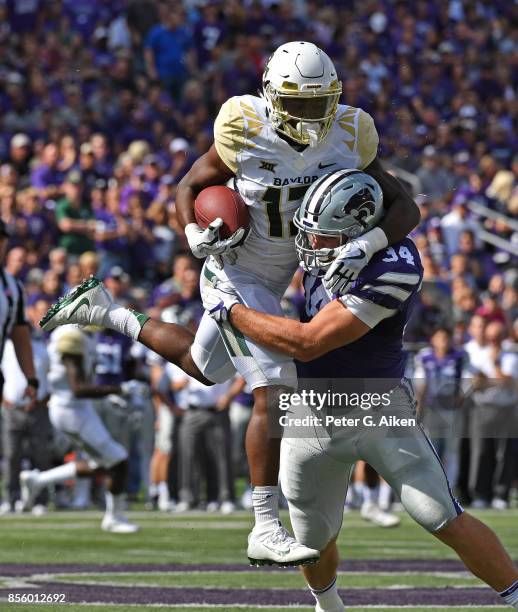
column 272, row 147
column 71, row 411
column 359, row 336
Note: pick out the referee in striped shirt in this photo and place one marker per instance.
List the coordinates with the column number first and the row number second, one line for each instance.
column 14, row 325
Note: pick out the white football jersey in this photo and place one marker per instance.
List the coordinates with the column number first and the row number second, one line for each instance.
column 72, row 340
column 272, row 176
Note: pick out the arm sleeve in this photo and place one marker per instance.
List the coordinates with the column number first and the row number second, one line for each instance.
column 229, row 133
column 368, row 312
column 368, row 139
column 390, row 289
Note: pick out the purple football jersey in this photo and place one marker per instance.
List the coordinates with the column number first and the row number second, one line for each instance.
column 112, row 358
column 391, row 279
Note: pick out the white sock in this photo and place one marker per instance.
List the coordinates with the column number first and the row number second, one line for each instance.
column 328, row 599
column 358, row 489
column 163, row 490
column 384, row 496
column 153, row 489
column 266, row 505
column 110, row 503
column 67, row 471
column 370, row 495
column 124, row 320
column 120, row 503
column 114, row 503
column 510, row 595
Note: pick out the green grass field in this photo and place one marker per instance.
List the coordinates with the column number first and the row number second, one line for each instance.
column 150, row 570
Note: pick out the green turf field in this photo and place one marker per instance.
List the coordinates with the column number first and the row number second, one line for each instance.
column 148, row 570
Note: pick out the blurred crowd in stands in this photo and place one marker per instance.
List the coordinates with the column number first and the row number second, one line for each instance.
column 105, row 104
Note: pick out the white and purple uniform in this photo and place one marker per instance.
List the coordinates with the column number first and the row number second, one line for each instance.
column 316, row 465
column 112, row 364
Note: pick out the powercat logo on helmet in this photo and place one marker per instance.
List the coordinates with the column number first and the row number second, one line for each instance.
column 360, row 206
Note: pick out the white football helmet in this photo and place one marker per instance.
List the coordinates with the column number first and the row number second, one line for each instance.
column 302, row 90
column 343, row 204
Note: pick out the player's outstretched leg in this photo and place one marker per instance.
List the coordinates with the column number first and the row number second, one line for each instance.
column 91, row 304
column 33, row 481
column 321, row 580
column 269, row 543
column 483, row 554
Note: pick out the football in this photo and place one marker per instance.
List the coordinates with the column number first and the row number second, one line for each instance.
column 223, row 202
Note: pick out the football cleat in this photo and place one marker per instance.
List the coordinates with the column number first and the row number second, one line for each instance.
column 165, row 505
column 499, row 504
column 118, row 523
column 39, row 510
column 5, row 508
column 87, row 304
column 374, row 514
column 29, row 488
column 182, row 507
column 227, row 507
column 279, row 548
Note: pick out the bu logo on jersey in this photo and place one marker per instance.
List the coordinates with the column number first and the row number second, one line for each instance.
column 267, row 166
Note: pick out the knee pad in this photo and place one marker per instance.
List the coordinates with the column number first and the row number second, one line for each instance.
column 427, row 498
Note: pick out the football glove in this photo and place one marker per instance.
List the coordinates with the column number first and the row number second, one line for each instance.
column 218, row 300
column 351, row 259
column 205, row 242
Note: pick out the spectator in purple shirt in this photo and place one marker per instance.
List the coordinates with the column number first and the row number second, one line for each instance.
column 23, row 14
column 209, row 32
column 46, row 177
column 111, row 236
column 103, row 165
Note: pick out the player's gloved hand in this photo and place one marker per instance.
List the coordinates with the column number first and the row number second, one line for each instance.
column 351, row 259
column 218, row 300
column 205, row 242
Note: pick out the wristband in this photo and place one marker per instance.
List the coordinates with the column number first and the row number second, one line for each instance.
column 375, row 240
column 33, row 382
